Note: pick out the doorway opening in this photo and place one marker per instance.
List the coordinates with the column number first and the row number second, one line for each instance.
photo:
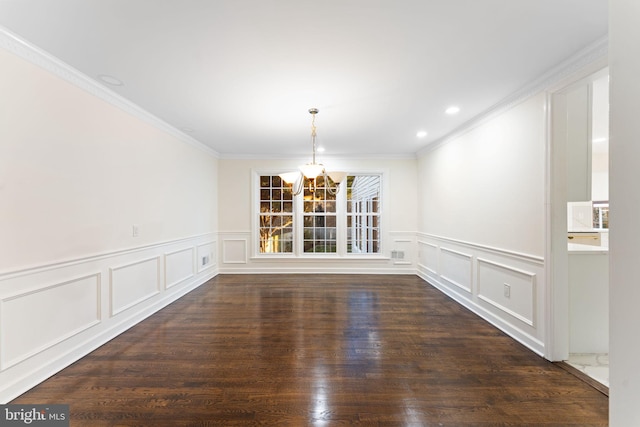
column 579, row 229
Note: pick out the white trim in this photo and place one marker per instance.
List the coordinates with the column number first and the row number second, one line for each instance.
column 16, row 386
column 5, row 364
column 534, row 291
column 323, row 269
column 556, row 271
column 507, row 311
column 526, row 257
column 167, row 255
column 321, row 258
column 462, row 254
column 225, row 260
column 69, row 262
column 22, row 48
column 213, row 260
column 68, row 347
column 506, row 267
column 468, row 257
column 113, row 311
column 518, row 325
column 325, row 157
column 514, row 332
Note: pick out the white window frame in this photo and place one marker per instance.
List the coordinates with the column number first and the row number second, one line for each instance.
column 298, row 212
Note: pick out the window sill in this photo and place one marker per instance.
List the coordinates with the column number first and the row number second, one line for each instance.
column 319, row 258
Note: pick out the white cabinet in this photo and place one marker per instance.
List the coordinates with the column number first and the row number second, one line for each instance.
column 589, row 302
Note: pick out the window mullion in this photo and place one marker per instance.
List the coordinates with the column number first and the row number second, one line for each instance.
column 298, row 215
column 341, row 220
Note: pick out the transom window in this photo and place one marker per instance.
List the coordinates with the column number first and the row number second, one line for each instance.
column 316, row 221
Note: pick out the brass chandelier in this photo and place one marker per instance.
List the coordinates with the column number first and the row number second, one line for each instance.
column 313, row 170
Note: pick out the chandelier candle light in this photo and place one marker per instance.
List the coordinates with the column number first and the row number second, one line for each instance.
column 313, row 170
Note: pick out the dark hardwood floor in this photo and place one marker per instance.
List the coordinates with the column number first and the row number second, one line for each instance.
column 318, row 350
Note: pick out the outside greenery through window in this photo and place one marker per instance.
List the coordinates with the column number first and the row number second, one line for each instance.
column 276, row 215
column 316, row 221
column 319, row 218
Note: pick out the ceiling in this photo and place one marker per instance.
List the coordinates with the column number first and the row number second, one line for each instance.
column 240, row 75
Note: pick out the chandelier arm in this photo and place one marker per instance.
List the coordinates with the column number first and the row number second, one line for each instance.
column 332, row 189
column 298, row 185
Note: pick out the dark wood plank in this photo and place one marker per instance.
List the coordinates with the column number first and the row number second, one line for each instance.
column 325, row 350
column 584, row 377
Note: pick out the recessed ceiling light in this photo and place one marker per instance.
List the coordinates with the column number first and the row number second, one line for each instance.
column 421, row 134
column 110, row 80
column 452, row 110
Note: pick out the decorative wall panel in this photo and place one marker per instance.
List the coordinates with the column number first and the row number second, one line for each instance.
column 63, row 310
column 505, row 288
column 456, row 268
column 207, row 256
column 134, row 283
column 509, row 289
column 178, row 267
column 234, row 251
column 429, row 257
column 51, row 315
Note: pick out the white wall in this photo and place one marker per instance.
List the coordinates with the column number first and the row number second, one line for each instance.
column 624, row 199
column 487, row 186
column 481, row 219
column 76, row 173
column 399, row 210
column 600, row 137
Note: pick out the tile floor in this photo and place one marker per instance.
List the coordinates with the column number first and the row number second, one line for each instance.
column 592, row 364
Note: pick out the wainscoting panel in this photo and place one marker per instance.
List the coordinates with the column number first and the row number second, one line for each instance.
column 207, row 256
column 504, row 287
column 52, row 315
column 508, row 289
column 403, row 248
column 178, row 267
column 64, row 309
column 234, row 251
column 133, row 283
column 237, row 256
column 429, row 257
column 456, row 268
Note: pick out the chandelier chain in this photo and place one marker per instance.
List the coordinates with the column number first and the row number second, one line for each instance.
column 313, row 133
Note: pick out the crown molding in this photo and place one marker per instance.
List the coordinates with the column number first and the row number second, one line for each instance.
column 593, row 53
column 319, row 157
column 33, row 54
